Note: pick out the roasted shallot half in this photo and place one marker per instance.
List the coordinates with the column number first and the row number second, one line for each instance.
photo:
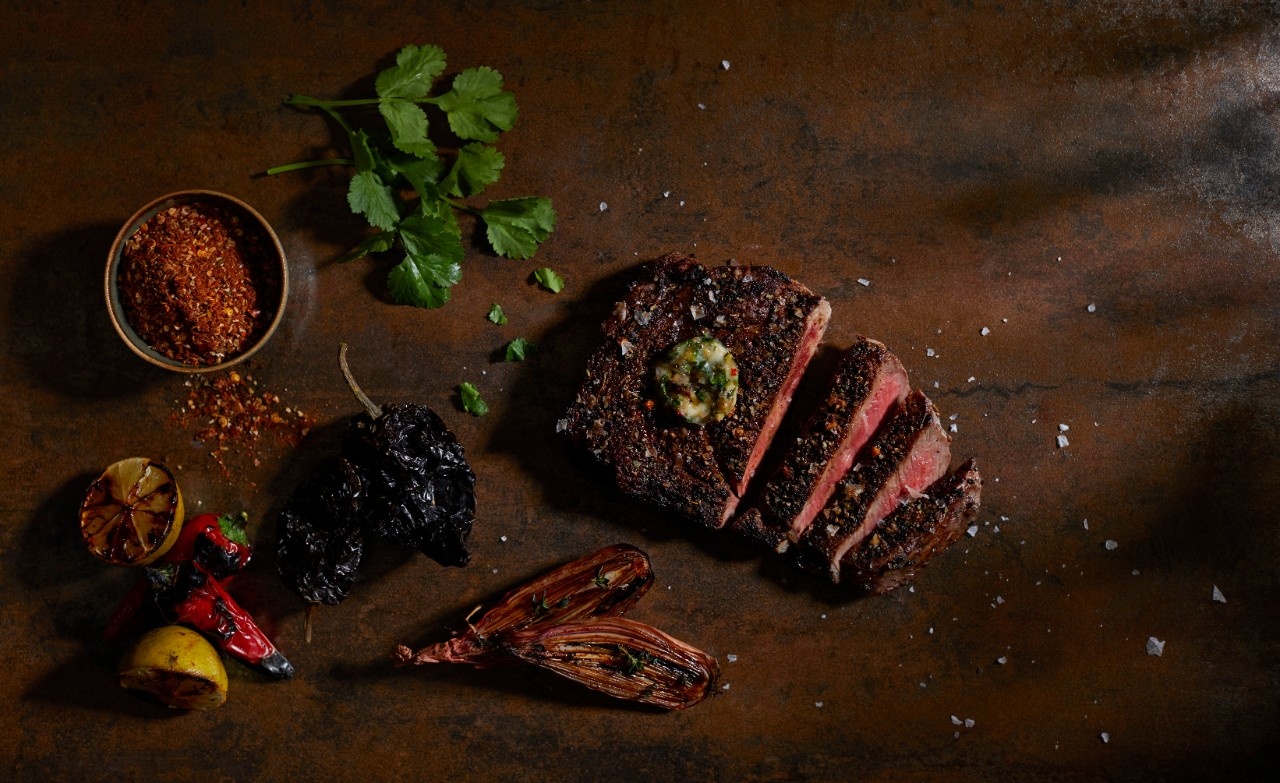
column 568, row 621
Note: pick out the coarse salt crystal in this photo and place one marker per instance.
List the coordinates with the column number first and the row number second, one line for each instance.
column 969, row 723
column 929, row 352
column 724, row 64
column 971, row 379
column 731, row 658
column 972, row 531
column 503, row 539
column 954, row 427
column 666, row 194
column 862, row 281
column 702, row 106
column 1002, row 660
column 1093, row 308
column 1086, row 524
column 1111, row 544
column 956, row 721
column 1063, row 428
column 1063, row 442
column 984, row 331
column 999, row 600
column 724, row 687
column 1105, row 737
column 562, row 425
column 625, row 345
column 1155, row 646
column 604, row 205
column 697, row 311
column 1136, row 572
column 1218, row 596
column 818, row 704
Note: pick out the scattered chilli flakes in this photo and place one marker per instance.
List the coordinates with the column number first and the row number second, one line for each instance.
column 232, row 413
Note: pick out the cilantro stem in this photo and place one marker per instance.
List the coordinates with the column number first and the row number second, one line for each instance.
column 309, row 164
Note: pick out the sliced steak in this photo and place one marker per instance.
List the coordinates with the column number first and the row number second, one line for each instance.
column 909, row 453
column 771, row 324
column 909, row 537
column 868, row 382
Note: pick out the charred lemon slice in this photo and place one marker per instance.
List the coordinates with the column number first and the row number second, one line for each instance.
column 132, row 513
column 177, row 667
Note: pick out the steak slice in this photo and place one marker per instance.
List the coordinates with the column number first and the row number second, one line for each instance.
column 909, row 454
column 771, row 324
column 912, row 535
column 868, row 382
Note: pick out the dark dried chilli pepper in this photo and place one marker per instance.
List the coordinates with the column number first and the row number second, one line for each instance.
column 319, row 538
column 402, row 476
column 185, row 594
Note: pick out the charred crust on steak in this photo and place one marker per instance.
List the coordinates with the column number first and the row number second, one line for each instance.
column 913, row 534
column 908, row 455
column 868, row 381
column 762, row 316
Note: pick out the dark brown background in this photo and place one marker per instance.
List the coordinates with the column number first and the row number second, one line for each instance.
column 974, row 162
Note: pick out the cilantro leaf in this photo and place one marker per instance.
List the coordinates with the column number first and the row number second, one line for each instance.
column 519, row 349
column 496, row 315
column 368, row 196
column 477, row 167
column 233, row 527
column 548, row 279
column 478, row 109
column 380, row 242
column 411, row 77
column 471, row 401
column 432, row 263
column 363, row 151
column 516, row 226
column 408, row 124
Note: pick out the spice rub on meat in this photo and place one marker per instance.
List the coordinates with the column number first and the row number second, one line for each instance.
column 907, row 456
column 769, row 323
column 916, row 531
column 867, row 383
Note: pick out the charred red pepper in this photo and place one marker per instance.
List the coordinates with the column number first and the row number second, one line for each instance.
column 185, row 593
column 130, row 617
column 217, row 543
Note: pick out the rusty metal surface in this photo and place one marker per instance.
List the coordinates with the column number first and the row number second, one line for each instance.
column 1095, row 184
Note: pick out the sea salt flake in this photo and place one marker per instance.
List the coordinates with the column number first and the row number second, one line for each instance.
column 956, row 721
column 999, row 600
column 503, row 539
column 1002, row 660
column 1063, row 442
column 702, row 106
column 604, row 205
column 969, row 723
column 971, row 379
column 731, row 658
column 1218, row 596
column 1093, row 308
column 818, row 704
column 929, row 352
column 724, row 64
column 985, row 331
column 953, row 427
column 1111, row 544
column 1106, row 737
column 562, row 425
column 1063, row 427
column 1086, row 524
column 666, row 194
column 724, row 687
column 1155, row 646
column 697, row 311
column 972, row 531
column 864, row 282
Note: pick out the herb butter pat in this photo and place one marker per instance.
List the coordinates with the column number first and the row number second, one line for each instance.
column 698, row 380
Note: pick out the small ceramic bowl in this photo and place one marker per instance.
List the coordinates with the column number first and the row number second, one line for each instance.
column 268, row 271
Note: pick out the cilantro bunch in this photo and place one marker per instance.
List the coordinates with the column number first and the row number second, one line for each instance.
column 408, row 188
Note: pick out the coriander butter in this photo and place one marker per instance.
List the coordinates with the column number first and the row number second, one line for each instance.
column 698, row 380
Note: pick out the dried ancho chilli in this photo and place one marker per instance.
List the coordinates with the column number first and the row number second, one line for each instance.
column 421, row 490
column 401, row 476
column 320, row 540
column 569, row 622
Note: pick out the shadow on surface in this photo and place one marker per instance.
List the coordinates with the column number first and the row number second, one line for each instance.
column 59, row 327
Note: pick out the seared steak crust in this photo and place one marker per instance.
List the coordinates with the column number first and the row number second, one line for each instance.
column 770, row 324
column 908, row 455
column 867, row 383
column 909, row 537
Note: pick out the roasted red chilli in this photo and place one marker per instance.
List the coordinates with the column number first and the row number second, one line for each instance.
column 194, row 285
